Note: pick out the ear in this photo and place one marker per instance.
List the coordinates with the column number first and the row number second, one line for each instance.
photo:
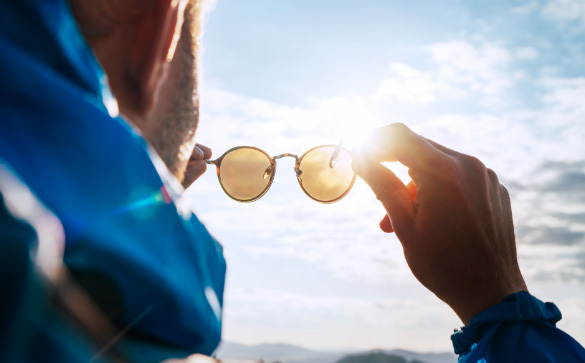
column 152, row 34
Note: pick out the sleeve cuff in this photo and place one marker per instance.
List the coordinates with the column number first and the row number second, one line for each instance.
column 520, row 306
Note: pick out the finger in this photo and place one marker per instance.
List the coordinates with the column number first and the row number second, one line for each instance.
column 506, row 206
column 206, row 151
column 197, row 153
column 398, row 142
column 195, row 168
column 393, row 194
column 442, row 148
column 386, row 225
column 411, row 186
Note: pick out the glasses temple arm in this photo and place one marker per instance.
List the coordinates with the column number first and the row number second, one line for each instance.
column 335, row 154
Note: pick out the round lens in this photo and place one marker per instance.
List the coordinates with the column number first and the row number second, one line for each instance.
column 326, row 173
column 245, row 173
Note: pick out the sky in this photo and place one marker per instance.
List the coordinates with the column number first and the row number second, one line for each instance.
column 500, row 80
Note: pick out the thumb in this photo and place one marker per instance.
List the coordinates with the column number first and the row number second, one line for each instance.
column 390, row 190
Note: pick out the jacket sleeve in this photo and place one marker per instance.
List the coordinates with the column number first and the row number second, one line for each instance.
column 519, row 329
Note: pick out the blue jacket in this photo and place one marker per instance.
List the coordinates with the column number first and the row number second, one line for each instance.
column 519, row 329
column 122, row 223
column 32, row 328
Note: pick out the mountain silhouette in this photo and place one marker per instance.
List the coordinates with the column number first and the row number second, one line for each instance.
column 375, row 357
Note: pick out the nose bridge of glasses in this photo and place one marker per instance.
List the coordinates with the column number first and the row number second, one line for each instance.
column 298, row 172
column 286, row 155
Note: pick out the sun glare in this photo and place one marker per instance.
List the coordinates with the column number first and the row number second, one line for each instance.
column 352, row 131
column 400, row 170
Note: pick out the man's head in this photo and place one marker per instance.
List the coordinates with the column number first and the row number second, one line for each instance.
column 149, row 55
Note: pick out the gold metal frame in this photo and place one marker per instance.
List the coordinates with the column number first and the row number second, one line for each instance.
column 298, row 172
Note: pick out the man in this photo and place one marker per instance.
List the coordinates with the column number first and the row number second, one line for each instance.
column 149, row 264
column 454, row 219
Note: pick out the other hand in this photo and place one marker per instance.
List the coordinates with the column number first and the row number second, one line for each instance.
column 454, row 219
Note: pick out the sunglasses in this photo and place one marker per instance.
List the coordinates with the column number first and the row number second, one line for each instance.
column 324, row 173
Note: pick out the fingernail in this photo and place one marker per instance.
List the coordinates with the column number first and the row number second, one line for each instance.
column 197, row 153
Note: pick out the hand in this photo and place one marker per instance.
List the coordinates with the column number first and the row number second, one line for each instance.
column 196, row 165
column 454, row 219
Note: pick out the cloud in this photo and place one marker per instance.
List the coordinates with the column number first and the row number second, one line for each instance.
column 551, row 235
column 550, row 222
column 565, row 94
column 481, row 68
column 568, row 180
column 475, row 74
column 473, row 63
column 233, row 119
column 566, row 10
column 343, row 239
column 458, row 69
column 526, row 53
column 525, row 9
column 341, row 317
column 558, row 187
column 552, row 264
column 414, row 87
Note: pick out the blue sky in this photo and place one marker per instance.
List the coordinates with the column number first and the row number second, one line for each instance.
column 501, row 80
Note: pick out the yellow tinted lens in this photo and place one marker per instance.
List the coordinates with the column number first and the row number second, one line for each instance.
column 323, row 182
column 245, row 173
